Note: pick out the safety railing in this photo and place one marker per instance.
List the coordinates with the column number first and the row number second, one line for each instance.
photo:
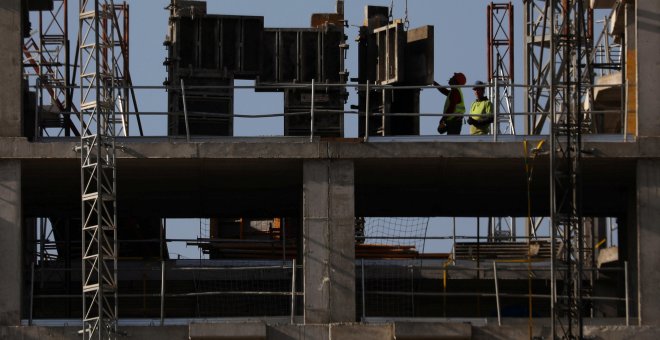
column 615, row 119
column 423, row 288
column 174, row 289
column 416, row 286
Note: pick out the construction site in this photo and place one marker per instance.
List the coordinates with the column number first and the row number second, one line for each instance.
column 133, row 208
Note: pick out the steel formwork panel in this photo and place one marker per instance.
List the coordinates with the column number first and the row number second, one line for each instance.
column 300, row 55
column 391, row 44
column 226, row 44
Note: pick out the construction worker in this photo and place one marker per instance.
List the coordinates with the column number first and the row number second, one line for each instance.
column 454, row 105
column 481, row 111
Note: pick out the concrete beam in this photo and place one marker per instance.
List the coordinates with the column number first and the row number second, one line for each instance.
column 274, row 148
column 11, row 70
column 298, row 332
column 648, row 66
column 249, row 330
column 432, row 331
column 329, row 241
column 648, row 238
column 361, row 331
column 71, row 333
column 10, row 243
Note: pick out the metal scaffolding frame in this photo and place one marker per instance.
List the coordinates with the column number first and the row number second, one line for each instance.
column 501, row 63
column 500, row 30
column 544, row 62
column 48, row 59
column 98, row 98
column 567, row 39
column 115, row 58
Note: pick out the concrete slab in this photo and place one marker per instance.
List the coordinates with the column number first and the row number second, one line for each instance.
column 609, row 147
column 432, row 331
column 298, row 332
column 608, row 93
column 494, row 332
column 607, row 255
column 228, row 330
column 621, row 332
column 71, row 333
column 356, row 331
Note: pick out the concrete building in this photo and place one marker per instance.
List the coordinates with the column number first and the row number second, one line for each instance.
column 326, row 183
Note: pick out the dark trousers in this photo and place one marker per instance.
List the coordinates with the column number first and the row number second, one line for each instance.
column 453, row 126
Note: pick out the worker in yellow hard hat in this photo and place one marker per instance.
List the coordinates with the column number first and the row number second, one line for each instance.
column 481, row 111
column 454, row 105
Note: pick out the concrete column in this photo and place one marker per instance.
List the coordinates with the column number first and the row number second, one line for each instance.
column 648, row 67
column 10, row 243
column 648, row 239
column 11, row 102
column 329, row 241
column 630, row 67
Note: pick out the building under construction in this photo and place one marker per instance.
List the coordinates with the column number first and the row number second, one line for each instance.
column 552, row 217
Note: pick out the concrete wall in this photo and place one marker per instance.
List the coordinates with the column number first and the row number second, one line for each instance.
column 648, row 66
column 648, row 239
column 328, row 241
column 11, row 71
column 10, row 242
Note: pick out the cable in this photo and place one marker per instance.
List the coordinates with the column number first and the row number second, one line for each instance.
column 391, row 10
column 406, row 22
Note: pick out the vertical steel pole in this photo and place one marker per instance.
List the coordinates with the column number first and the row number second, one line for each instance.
column 283, row 237
column 383, row 119
column 366, row 116
column 311, row 118
column 162, row 292
column 32, row 293
column 40, row 103
column 412, row 289
column 364, row 308
column 625, row 274
column 489, row 40
column 185, row 111
column 293, row 290
column 453, row 239
column 497, row 295
column 553, row 218
column 496, row 124
column 511, row 49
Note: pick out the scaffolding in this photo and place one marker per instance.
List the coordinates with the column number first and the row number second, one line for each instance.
column 558, row 59
column 501, row 64
column 47, row 58
column 558, row 49
column 98, row 97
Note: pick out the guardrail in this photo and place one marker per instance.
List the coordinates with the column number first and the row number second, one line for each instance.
column 365, row 113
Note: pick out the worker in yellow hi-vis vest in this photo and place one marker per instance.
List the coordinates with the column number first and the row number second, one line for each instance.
column 481, row 111
column 454, row 105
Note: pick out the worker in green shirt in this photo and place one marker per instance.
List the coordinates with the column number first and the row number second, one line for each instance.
column 481, row 111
